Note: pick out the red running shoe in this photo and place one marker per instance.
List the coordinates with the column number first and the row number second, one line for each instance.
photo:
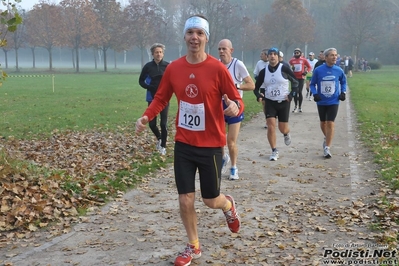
column 232, row 218
column 189, row 253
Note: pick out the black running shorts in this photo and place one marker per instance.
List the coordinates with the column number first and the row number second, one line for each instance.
column 208, row 161
column 327, row 112
column 280, row 110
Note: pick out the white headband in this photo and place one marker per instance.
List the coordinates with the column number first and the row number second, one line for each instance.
column 197, row 23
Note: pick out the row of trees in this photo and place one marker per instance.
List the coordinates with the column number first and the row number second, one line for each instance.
column 104, row 25
column 9, row 21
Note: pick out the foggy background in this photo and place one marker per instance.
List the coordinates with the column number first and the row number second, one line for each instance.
column 120, row 32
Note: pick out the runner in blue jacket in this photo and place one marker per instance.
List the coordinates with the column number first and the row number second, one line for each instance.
column 328, row 86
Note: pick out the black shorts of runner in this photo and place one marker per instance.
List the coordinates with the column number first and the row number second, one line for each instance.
column 327, row 112
column 280, row 110
column 208, row 161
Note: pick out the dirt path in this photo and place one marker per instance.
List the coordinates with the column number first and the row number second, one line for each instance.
column 293, row 210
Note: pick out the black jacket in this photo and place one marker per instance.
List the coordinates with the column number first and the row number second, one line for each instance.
column 151, row 75
column 319, row 63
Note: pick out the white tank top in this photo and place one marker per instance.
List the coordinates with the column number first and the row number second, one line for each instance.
column 276, row 86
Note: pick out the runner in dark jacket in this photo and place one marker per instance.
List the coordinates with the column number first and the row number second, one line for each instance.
column 149, row 79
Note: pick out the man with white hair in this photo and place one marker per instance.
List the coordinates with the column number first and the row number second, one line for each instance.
column 328, row 86
column 149, row 79
column 199, row 82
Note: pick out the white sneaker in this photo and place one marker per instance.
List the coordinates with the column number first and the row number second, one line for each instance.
column 162, row 151
column 287, row 139
column 225, row 161
column 274, row 156
column 327, row 153
column 234, row 174
column 159, row 145
column 310, row 98
column 300, row 110
column 294, row 111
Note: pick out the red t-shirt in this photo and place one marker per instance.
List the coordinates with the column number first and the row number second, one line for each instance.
column 299, row 66
column 199, row 89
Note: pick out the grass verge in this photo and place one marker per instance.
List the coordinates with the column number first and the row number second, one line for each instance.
column 374, row 96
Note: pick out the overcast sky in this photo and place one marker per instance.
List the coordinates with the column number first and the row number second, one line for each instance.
column 28, row 4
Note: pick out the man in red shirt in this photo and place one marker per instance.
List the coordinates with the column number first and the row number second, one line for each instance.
column 199, row 81
column 300, row 66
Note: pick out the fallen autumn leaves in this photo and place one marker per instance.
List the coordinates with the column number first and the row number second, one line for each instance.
column 48, row 182
column 90, row 160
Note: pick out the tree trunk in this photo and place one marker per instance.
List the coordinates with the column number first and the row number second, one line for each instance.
column 33, row 57
column 50, row 58
column 77, row 59
column 142, row 56
column 16, row 60
column 115, row 59
column 95, row 58
column 6, row 58
column 105, row 59
column 253, row 58
column 73, row 58
column 357, row 57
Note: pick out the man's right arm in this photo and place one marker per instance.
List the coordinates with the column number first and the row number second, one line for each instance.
column 258, row 84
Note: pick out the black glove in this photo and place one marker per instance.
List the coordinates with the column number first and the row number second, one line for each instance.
column 291, row 95
column 342, row 96
column 304, row 73
column 316, row 97
column 293, row 68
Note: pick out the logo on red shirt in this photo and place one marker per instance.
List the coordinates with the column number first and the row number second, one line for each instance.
column 191, row 91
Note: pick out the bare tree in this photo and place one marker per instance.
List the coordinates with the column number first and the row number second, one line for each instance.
column 223, row 16
column 110, row 18
column 145, row 24
column 18, row 42
column 175, row 23
column 390, row 32
column 254, row 39
column 289, row 23
column 42, row 28
column 360, row 23
column 79, row 26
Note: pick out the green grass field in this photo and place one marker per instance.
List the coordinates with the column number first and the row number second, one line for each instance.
column 32, row 106
column 375, row 98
